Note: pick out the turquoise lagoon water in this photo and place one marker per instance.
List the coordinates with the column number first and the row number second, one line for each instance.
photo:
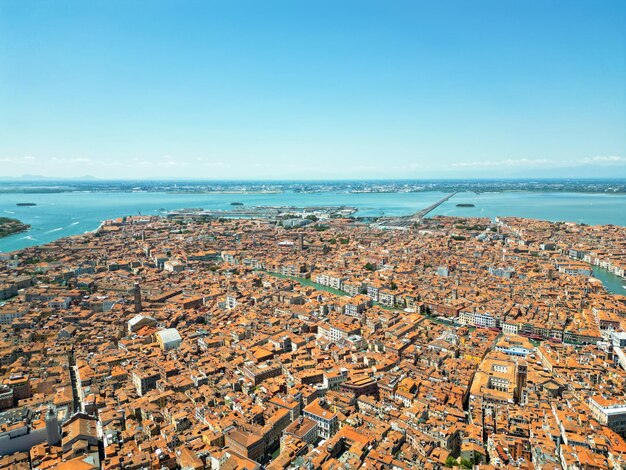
column 65, row 214
column 592, row 209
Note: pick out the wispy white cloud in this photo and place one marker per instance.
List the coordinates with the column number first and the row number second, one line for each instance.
column 541, row 162
column 219, row 165
column 365, row 168
column 504, row 163
column 604, row 159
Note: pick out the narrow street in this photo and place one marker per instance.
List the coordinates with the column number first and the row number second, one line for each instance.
column 77, row 405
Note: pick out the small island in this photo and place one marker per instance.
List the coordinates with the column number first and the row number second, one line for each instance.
column 25, row 204
column 10, row 226
column 236, row 203
column 464, row 204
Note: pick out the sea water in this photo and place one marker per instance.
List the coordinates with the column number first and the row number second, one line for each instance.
column 60, row 215
column 63, row 214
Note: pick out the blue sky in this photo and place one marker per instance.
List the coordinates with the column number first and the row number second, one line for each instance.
column 312, row 89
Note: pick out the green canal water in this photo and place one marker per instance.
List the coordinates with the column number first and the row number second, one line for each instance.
column 613, row 283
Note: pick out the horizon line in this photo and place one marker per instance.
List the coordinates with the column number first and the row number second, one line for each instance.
column 87, row 178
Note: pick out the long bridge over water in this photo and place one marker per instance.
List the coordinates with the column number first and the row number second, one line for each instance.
column 410, row 220
column 421, row 214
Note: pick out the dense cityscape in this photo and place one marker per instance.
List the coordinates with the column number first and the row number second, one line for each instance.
column 317, row 235
column 314, row 342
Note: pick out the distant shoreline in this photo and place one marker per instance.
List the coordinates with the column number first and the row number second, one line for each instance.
column 317, row 191
column 242, row 191
column 582, row 186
